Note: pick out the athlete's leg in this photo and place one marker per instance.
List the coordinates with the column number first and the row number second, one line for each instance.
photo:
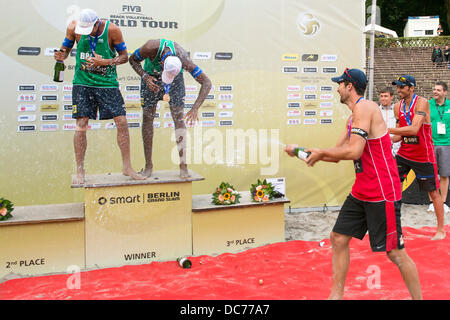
column 180, row 136
column 439, row 210
column 148, row 115
column 80, row 145
column 408, row 270
column 340, row 262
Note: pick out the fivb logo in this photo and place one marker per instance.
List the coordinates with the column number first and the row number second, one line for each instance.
column 308, row 24
column 131, row 9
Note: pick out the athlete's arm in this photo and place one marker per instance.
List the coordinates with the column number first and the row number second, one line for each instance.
column 395, row 137
column 420, row 114
column 67, row 44
column 351, row 150
column 135, row 60
column 200, row 77
column 116, row 39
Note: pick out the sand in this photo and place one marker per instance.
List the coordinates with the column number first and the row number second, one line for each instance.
column 317, row 225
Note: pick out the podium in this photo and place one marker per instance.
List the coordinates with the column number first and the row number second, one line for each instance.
column 137, row 221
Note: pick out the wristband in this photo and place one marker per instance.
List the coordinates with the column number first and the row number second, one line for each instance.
column 68, row 43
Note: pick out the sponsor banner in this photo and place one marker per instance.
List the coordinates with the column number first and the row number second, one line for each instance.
column 208, row 123
column 310, row 97
column 226, row 88
column 326, row 88
column 228, row 105
column 290, row 57
column 133, row 115
column 225, row 123
column 28, row 51
column 67, row 88
column 132, row 97
column 202, row 55
column 328, row 58
column 310, row 121
column 156, row 124
column 294, row 105
column 135, row 125
column 49, row 107
column 329, row 70
column 294, row 96
column 310, row 88
column 326, row 113
column 69, row 127
column 132, row 88
column 133, row 106
column 49, row 98
column 326, row 121
column 293, row 88
column 310, row 113
column 49, row 87
column 210, row 97
column 190, row 97
column 225, row 96
column 289, row 69
column 310, row 57
column 68, row 107
column 95, row 126
column 294, row 113
column 67, row 98
column 191, row 88
column 223, row 56
column 326, row 104
column 310, row 69
column 50, row 52
column 49, row 117
column 294, row 122
column 169, row 124
column 68, row 117
column 208, row 114
column 327, row 96
column 226, row 114
column 26, row 97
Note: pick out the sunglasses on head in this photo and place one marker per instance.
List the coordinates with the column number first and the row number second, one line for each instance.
column 348, row 75
column 406, row 82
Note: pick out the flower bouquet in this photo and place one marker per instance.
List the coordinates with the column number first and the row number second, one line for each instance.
column 262, row 191
column 6, row 207
column 225, row 194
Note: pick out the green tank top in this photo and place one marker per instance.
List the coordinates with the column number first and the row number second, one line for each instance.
column 152, row 66
column 103, row 76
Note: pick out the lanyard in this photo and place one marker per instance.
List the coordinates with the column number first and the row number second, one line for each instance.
column 408, row 115
column 443, row 110
column 349, row 128
column 94, row 45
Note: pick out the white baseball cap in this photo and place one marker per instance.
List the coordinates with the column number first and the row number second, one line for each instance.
column 172, row 67
column 86, row 21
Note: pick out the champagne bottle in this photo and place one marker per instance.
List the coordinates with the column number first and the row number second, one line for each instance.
column 185, row 263
column 301, row 153
column 59, row 71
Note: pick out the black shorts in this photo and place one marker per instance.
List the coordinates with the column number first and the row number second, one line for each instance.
column 426, row 172
column 88, row 100
column 176, row 92
column 381, row 219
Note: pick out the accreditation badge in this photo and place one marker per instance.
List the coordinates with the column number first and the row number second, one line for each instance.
column 441, row 128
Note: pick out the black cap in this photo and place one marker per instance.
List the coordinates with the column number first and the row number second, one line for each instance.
column 405, row 80
column 355, row 76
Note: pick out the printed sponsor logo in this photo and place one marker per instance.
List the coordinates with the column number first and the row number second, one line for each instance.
column 169, row 124
column 329, row 70
column 208, row 114
column 226, row 97
column 310, row 70
column 26, row 107
column 310, row 88
column 328, row 58
column 67, row 98
column 132, row 16
column 68, row 107
column 49, row 87
column 293, row 88
column 49, row 98
column 28, row 51
column 26, row 97
column 310, row 121
column 294, row 96
column 226, row 88
column 26, row 87
column 27, row 128
column 326, row 104
column 134, row 125
column 208, row 123
column 310, row 105
column 326, row 121
column 110, row 126
column 294, row 113
column 157, row 115
column 191, row 88
column 202, row 55
column 133, row 106
column 292, row 69
column 49, row 127
column 188, row 105
column 228, row 105
column 310, row 113
column 190, row 97
column 308, row 25
column 225, row 123
column 327, row 96
column 49, row 117
column 133, row 97
column 167, row 115
column 310, row 57
column 326, row 113
column 294, row 105
column 68, row 117
column 226, row 114
column 26, row 118
column 294, row 122
column 67, row 87
column 133, row 116
column 50, row 52
column 156, row 124
column 69, row 127
column 94, row 126
column 310, row 97
column 49, row 107
column 223, row 56
column 210, row 97
column 290, row 57
column 133, row 88
column 326, row 88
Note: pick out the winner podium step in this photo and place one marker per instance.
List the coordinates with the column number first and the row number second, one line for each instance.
column 137, row 221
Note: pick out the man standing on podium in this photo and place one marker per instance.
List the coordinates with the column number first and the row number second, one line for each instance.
column 162, row 79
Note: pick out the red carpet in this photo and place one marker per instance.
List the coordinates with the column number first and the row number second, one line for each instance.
column 291, row 270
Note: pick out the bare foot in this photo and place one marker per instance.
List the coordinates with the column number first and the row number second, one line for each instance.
column 439, row 235
column 184, row 172
column 146, row 173
column 133, row 174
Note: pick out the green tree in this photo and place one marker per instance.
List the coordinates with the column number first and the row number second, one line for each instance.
column 395, row 13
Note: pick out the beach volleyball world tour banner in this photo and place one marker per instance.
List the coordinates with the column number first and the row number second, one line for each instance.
column 270, row 63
